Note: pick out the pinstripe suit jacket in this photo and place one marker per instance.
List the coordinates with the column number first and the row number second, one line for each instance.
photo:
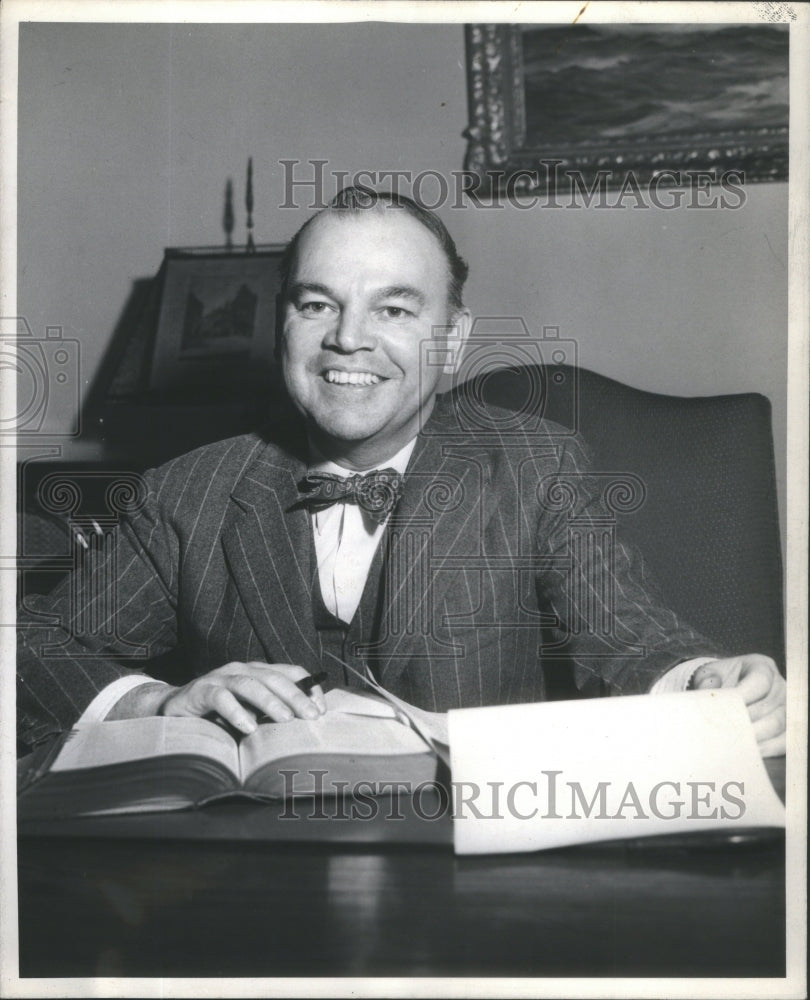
column 500, row 559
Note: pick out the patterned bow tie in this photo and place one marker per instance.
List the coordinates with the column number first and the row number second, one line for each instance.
column 377, row 493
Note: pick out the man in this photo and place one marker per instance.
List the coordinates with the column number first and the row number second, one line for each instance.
column 448, row 574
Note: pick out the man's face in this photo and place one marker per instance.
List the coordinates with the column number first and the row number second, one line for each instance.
column 365, row 291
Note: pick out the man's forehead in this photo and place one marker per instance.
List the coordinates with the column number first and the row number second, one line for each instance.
column 370, row 250
column 381, row 292
column 389, row 227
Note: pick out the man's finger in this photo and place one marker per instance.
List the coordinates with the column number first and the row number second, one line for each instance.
column 256, row 694
column 285, row 689
column 770, row 725
column 776, row 747
column 317, row 696
column 260, row 670
column 222, row 701
column 756, row 680
column 705, row 678
column 275, row 695
column 762, row 709
column 282, row 679
column 271, row 688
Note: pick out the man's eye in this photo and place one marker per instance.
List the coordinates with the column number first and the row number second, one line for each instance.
column 395, row 312
column 313, row 308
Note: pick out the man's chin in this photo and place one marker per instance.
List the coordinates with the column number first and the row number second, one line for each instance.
column 341, row 435
column 354, row 442
column 349, row 422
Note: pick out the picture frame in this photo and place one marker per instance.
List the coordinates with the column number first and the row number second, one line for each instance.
column 538, row 95
column 216, row 325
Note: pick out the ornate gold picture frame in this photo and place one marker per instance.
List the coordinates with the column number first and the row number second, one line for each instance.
column 597, row 102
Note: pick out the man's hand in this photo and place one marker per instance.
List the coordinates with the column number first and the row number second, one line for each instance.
column 237, row 693
column 763, row 690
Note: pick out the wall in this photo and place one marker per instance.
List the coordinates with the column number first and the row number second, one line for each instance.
column 128, row 132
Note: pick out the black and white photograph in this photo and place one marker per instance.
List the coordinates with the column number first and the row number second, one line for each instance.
column 404, row 499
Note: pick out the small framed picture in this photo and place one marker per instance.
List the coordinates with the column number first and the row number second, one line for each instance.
column 216, row 327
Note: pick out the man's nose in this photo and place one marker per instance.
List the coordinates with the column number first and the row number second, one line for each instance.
column 352, row 332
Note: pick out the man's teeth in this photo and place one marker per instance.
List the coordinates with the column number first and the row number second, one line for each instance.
column 352, row 378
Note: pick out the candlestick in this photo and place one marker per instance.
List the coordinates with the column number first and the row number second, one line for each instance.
column 227, row 215
column 251, row 246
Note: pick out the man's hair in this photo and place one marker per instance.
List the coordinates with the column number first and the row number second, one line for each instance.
column 360, row 199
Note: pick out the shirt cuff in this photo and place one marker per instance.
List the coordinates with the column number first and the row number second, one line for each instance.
column 103, row 703
column 677, row 678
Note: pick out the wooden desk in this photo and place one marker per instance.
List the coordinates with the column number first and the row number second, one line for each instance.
column 262, row 897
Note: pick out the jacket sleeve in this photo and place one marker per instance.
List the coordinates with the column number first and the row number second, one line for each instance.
column 116, row 610
column 609, row 617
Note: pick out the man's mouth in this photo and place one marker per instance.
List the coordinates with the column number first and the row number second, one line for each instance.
column 337, row 377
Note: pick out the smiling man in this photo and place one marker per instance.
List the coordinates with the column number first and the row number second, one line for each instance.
column 365, row 294
column 378, row 532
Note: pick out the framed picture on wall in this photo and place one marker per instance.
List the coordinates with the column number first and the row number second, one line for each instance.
column 606, row 100
column 215, row 333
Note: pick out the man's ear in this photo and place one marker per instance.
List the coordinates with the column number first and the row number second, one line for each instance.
column 457, row 333
column 281, row 302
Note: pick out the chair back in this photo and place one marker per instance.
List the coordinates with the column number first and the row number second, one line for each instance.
column 708, row 527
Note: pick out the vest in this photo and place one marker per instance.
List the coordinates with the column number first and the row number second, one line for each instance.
column 346, row 641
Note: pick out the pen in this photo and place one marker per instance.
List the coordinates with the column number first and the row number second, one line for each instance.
column 306, row 684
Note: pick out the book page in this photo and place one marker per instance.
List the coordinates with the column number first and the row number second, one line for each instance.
column 432, row 726
column 530, row 777
column 96, row 744
column 366, row 703
column 382, row 704
column 334, row 733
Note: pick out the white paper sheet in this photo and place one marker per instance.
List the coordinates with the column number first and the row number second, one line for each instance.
column 531, row 777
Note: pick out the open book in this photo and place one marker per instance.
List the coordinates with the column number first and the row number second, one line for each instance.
column 524, row 777
column 363, row 742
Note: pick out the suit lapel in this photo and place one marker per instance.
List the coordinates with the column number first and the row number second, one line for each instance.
column 267, row 542
column 436, row 530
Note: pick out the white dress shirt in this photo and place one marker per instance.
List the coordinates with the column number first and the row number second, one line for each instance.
column 346, row 539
